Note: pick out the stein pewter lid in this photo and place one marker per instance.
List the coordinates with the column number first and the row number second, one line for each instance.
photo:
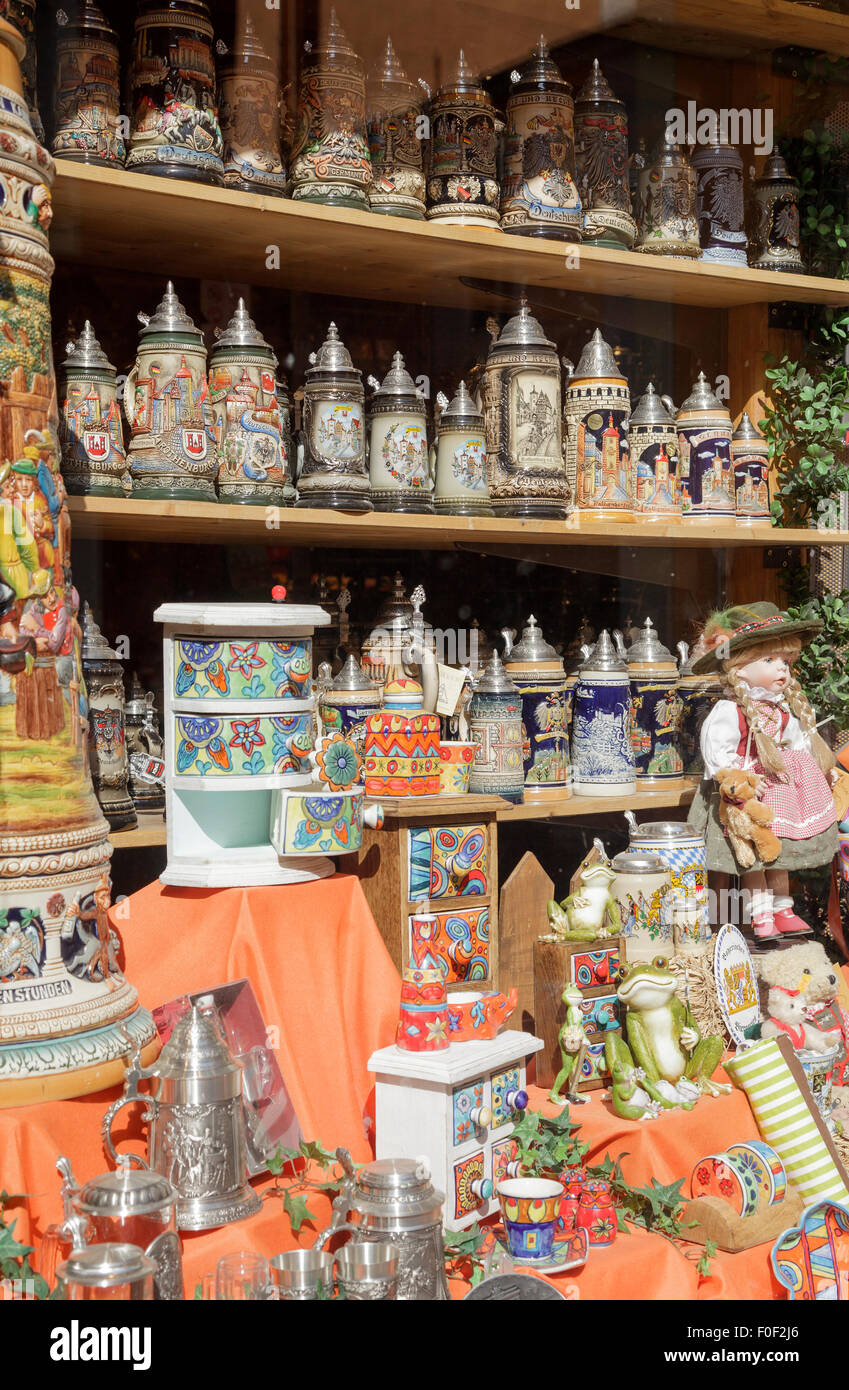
column 397, row 382
column 638, row 861
column 461, row 412
column 539, row 71
column 248, row 50
column 597, row 87
column 597, row 360
column 169, row 316
column 776, row 171
column 702, row 397
column 387, row 74
column 461, row 80
column 399, row 1190
column 106, row 1266
column 86, row 352
column 196, row 1067
column 126, row 1192
column 351, row 677
column 333, row 39
column 522, row 330
column 652, row 409
column 602, row 657
column 139, row 701
column 494, row 680
column 747, row 430
column 648, row 648
column 670, row 830
column 332, row 358
column 531, row 649
column 241, row 332
column 88, row 15
column 94, row 645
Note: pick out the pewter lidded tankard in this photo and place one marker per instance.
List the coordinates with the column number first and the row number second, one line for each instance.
column 197, row 1125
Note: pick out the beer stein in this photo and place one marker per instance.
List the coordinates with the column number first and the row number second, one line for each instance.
column 110, row 771
column 333, row 471
column 495, row 725
column 598, row 452
column 722, row 220
column 145, row 750
column 601, row 161
column 706, row 468
column 460, row 487
column 655, row 709
column 110, row 1273
column 750, row 453
column 243, row 388
column 698, row 695
column 602, row 753
column 774, row 213
column 669, row 223
column 87, row 94
column 394, row 110
column 330, row 157
column 462, row 183
column 654, row 455
column 538, row 193
column 94, row 460
column 539, row 674
column 250, row 116
column 399, row 463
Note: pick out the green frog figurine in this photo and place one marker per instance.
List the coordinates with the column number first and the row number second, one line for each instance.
column 573, row 1045
column 665, row 1064
column 589, row 913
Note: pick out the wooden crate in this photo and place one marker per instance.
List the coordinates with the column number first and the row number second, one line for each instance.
column 592, row 966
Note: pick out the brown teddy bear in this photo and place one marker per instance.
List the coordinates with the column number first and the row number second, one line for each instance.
column 746, row 819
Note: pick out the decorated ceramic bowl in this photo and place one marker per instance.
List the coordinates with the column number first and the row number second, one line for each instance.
column 766, row 1166
column 455, row 767
column 475, row 1014
column 530, row 1208
column 726, row 1176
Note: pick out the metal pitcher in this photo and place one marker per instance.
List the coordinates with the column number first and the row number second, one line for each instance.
column 197, row 1124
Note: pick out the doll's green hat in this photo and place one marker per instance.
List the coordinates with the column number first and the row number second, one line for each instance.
column 743, row 625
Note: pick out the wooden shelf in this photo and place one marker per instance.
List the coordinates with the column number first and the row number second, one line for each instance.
column 187, row 229
column 211, row 523
column 149, row 831
column 706, row 26
column 674, row 794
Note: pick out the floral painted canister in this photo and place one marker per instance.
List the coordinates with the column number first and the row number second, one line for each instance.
column 87, row 93
column 655, row 709
column 669, row 224
column 250, row 116
column 462, row 181
column 399, row 461
column 603, row 761
column 455, row 767
column 722, row 219
column 522, row 414
column 750, row 452
column 243, row 389
column 774, row 215
column 173, row 435
column 640, row 890
column 598, row 452
column 334, row 470
column 330, row 160
column 538, row 193
column 601, row 161
column 704, row 446
column 460, row 485
column 654, row 452
column 107, row 742
column 495, row 725
column 395, row 138
column 538, row 672
column 94, row 460
column 175, row 130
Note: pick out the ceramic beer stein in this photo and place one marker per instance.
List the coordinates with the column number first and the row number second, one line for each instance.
column 334, row 472
column 399, row 462
column 249, row 95
column 87, row 92
column 495, row 725
column 654, row 451
column 173, row 439
column 722, row 221
column 774, row 213
column 538, row 193
column 287, row 438
column 704, row 447
column 243, row 390
column 522, row 413
column 539, row 674
column 682, row 849
column 640, row 890
column 460, row 487
column 698, row 695
column 345, row 701
column 175, row 130
column 598, row 456
column 145, row 750
column 655, row 709
column 750, row 453
column 94, row 460
column 668, row 223
column 462, row 182
column 393, row 107
column 601, row 160
column 603, row 761
column 22, row 15
column 110, row 770
column 330, row 160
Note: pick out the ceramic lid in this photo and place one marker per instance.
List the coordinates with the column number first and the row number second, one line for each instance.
column 662, row 830
column 85, row 352
column 651, row 410
column 105, row 1266
column 351, row 677
column 532, row 647
column 776, row 171
column 648, row 647
column 746, row 430
column 523, row 330
column 596, row 87
column 333, row 39
column 702, row 397
column 169, row 316
column 461, row 408
column 241, row 331
column 603, row 657
column 94, row 645
column 597, row 359
column 388, row 72
column 494, row 680
column 635, row 861
column 332, row 356
column 540, row 69
column 127, row 1192
column 397, row 381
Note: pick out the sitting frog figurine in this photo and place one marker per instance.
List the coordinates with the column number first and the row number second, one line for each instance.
column 675, row 1064
column 590, row 912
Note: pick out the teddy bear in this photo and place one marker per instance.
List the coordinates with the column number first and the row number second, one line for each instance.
column 799, row 979
column 821, row 1002
column 745, row 818
column 786, row 1014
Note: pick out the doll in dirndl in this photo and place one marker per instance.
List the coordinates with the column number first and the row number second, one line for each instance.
column 765, row 724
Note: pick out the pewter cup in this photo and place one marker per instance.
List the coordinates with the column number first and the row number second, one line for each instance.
column 367, row 1270
column 296, row 1274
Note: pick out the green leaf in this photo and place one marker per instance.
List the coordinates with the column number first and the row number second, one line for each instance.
column 297, row 1210
column 314, row 1151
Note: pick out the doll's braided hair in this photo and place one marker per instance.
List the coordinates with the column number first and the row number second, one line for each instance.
column 798, row 703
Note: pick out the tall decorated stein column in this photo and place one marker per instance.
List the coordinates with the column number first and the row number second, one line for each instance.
column 67, row 1015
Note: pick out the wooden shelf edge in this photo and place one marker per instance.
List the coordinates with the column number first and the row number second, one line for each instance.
column 149, row 831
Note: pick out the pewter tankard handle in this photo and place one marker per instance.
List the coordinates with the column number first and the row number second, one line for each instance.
column 131, row 1095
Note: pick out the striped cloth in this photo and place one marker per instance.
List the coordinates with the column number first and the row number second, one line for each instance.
column 784, row 1117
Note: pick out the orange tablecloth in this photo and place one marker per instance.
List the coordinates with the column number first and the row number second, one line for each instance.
column 325, row 982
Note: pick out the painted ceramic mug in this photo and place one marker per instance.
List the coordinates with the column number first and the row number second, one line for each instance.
column 596, row 1213
column 455, row 766
column 530, row 1208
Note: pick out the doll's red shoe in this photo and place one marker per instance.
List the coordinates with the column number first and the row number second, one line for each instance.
column 788, row 924
column 766, row 930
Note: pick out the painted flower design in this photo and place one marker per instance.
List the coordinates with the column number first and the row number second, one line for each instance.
column 246, row 735
column 436, row 1030
column 337, row 762
column 726, row 1187
column 603, row 1229
column 703, row 1176
column 245, row 659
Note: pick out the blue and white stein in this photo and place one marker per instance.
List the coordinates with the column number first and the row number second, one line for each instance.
column 683, row 851
column 602, row 753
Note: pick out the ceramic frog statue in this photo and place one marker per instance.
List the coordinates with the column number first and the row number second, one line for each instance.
column 573, row 1045
column 590, row 912
column 675, row 1064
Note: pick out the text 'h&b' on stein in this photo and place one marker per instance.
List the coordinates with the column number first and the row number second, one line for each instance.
column 249, row 94
column 704, row 447
column 750, row 452
column 395, row 140
column 602, row 753
column 87, row 94
column 601, row 161
column 399, row 459
column 175, row 130
column 598, row 452
column 173, row 441
column 462, row 184
column 461, row 487
column 538, row 193
column 243, row 391
column 654, row 458
column 334, row 470
column 107, row 742
column 330, row 160
column 522, row 413
column 94, row 460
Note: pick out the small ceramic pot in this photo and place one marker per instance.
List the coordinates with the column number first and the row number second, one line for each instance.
column 423, row 1018
column 573, row 1191
column 455, row 766
column 596, row 1213
column 474, row 1014
column 402, row 754
column 529, row 1208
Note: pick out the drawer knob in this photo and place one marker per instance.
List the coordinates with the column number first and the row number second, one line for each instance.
column 514, row 1169
column 516, row 1100
column 482, row 1188
column 480, row 1116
